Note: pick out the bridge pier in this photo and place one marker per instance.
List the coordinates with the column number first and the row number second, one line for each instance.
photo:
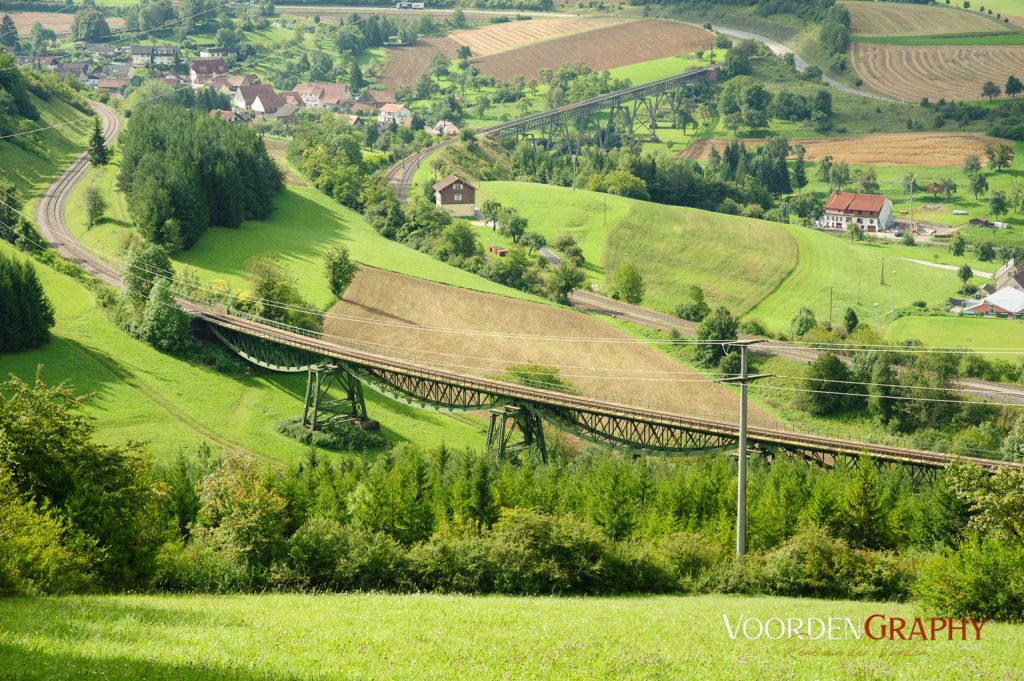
column 505, row 422
column 320, row 408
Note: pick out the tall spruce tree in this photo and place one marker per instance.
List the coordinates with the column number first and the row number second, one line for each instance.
column 99, row 155
column 26, row 314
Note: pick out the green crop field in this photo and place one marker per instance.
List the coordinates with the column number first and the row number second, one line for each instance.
column 39, row 158
column 433, row 637
column 965, row 39
column 142, row 394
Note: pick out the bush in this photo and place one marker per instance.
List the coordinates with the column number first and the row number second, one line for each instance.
column 452, row 565
column 209, row 563
column 340, row 436
column 692, row 559
column 982, row 579
column 810, row 564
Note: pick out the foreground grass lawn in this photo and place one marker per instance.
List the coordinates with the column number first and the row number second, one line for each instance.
column 998, row 335
column 429, row 636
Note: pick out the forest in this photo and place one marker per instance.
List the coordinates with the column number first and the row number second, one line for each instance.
column 91, row 517
column 184, row 171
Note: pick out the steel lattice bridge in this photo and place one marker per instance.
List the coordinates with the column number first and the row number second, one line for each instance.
column 517, row 412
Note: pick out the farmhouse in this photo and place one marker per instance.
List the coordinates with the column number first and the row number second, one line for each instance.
column 268, row 102
column 1006, row 302
column 455, row 195
column 245, row 95
column 202, row 70
column 870, row 212
column 324, row 95
column 377, row 98
column 114, row 86
column 79, row 70
column 442, row 128
column 146, row 55
column 1008, row 273
column 393, row 113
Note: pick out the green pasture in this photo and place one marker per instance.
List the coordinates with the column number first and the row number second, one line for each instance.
column 141, row 394
column 997, row 338
column 674, row 247
column 422, row 636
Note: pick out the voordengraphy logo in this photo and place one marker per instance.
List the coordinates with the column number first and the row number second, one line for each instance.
column 877, row 627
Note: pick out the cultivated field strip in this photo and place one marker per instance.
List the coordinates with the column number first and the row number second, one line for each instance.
column 899, row 149
column 887, row 19
column 406, row 65
column 602, row 48
column 952, row 72
column 496, row 38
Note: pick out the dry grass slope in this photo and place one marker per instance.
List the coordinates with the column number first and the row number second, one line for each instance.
column 899, row 149
column 954, row 72
column 629, row 373
column 406, row 65
column 603, row 48
column 886, row 19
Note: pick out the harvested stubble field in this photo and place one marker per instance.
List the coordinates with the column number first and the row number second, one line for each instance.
column 603, row 48
column 626, row 372
column 899, row 149
column 951, row 72
column 496, row 38
column 885, row 19
column 406, row 65
column 59, row 22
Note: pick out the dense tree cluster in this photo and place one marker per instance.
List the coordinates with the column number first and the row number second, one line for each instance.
column 26, row 314
column 183, row 171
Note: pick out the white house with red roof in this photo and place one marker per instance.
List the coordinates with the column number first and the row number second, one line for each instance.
column 393, row 113
column 202, row 70
column 870, row 212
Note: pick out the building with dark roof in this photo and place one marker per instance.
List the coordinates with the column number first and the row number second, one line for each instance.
column 455, row 195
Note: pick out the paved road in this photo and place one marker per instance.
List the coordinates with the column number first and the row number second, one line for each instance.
column 951, row 268
column 549, row 256
column 801, row 64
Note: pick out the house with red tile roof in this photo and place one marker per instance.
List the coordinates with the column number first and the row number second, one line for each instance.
column 870, row 212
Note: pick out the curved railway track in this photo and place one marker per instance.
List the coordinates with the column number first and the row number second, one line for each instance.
column 50, row 215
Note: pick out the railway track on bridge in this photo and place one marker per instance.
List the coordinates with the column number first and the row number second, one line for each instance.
column 588, row 414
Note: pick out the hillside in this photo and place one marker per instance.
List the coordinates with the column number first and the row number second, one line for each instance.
column 382, row 311
column 738, row 261
column 784, row 267
column 141, row 394
column 35, row 160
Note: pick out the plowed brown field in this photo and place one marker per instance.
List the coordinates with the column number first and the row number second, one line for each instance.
column 954, row 72
column 624, row 372
column 407, row 64
column 500, row 37
column 602, row 48
column 59, row 22
column 886, row 19
column 900, row 149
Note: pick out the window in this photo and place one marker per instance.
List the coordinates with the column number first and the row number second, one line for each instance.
column 458, row 197
column 457, row 185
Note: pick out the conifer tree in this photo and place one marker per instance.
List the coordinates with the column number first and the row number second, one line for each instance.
column 26, row 314
column 99, row 155
column 164, row 325
column 867, row 521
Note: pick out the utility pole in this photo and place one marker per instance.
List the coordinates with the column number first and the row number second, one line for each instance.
column 892, row 321
column 741, row 482
column 883, row 270
column 830, row 305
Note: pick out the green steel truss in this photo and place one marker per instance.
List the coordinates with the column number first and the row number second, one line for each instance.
column 321, row 407
column 267, row 354
column 508, row 421
column 426, row 393
column 630, row 432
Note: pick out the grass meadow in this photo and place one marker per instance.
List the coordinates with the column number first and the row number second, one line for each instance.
column 283, row 636
column 141, row 394
column 49, row 151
